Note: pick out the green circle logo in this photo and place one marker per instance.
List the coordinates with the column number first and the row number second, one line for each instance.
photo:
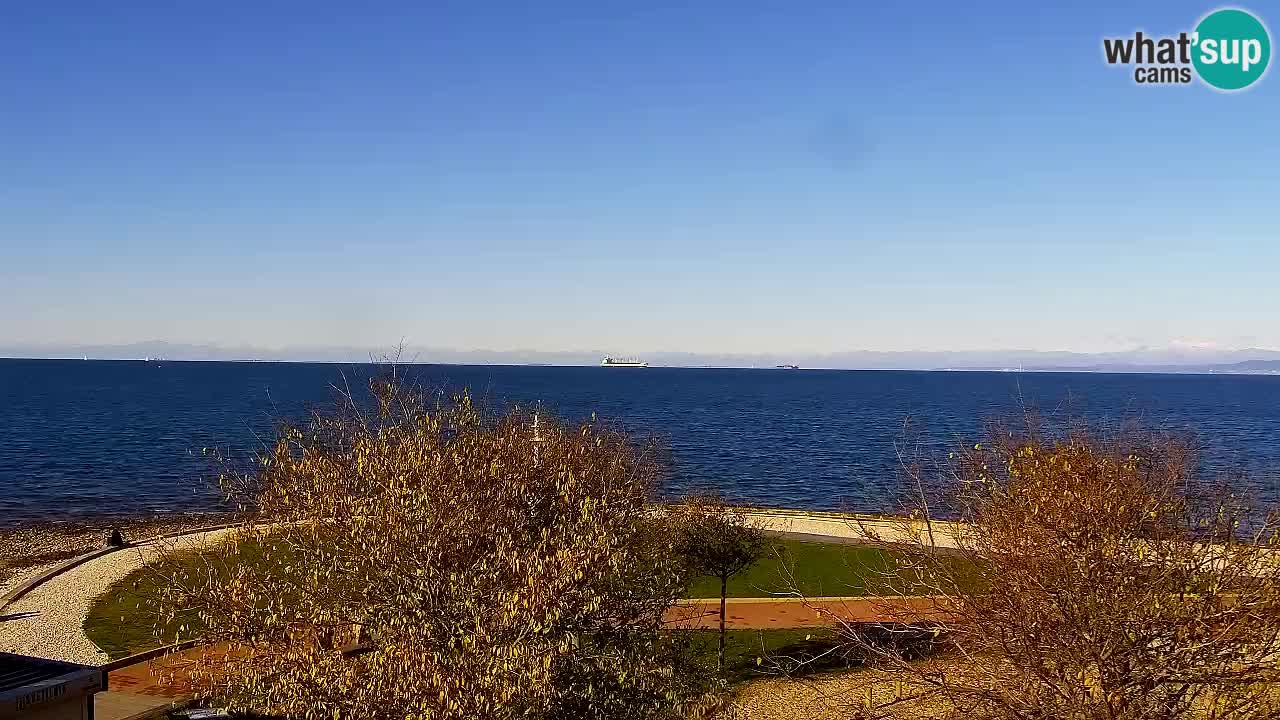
column 1232, row 49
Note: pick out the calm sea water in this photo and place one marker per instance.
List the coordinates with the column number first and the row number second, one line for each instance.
column 91, row 437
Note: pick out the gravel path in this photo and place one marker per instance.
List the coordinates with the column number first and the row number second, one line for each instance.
column 46, row 622
column 11, row 577
column 26, row 551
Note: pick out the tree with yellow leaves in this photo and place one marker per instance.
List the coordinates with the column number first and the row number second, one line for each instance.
column 1087, row 578
column 426, row 560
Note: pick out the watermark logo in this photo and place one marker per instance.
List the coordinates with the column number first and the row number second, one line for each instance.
column 1229, row 50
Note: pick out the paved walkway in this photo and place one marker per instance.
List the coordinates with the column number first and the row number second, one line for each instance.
column 848, row 527
column 137, row 691
column 785, row 613
column 115, row 705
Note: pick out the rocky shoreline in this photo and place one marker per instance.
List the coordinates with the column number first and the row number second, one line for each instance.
column 36, row 546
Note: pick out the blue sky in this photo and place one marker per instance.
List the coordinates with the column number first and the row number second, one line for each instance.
column 712, row 177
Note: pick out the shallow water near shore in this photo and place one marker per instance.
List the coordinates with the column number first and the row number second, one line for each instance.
column 124, row 437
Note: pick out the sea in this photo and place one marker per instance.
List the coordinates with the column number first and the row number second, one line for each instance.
column 85, row 438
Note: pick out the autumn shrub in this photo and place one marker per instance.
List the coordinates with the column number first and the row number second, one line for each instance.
column 1117, row 584
column 431, row 560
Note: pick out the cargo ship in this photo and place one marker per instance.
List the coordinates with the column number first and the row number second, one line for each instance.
column 618, row 362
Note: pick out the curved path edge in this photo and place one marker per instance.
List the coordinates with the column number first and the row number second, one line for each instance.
column 30, row 583
column 54, row 602
column 45, row 617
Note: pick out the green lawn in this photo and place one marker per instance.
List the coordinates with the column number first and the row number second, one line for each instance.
column 752, row 653
column 124, row 620
column 818, row 569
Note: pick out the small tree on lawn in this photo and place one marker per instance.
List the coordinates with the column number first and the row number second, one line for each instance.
column 717, row 540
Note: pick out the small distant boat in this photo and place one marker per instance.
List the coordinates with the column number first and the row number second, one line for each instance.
column 787, row 367
column 621, row 362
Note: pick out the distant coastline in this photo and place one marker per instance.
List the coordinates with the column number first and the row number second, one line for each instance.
column 1247, row 367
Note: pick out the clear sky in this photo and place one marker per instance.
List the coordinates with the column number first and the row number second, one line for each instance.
column 703, row 176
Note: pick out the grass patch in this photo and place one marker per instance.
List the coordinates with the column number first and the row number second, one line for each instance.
column 819, row 569
column 126, row 618
column 750, row 654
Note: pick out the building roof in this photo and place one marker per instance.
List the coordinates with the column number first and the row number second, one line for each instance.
column 19, row 671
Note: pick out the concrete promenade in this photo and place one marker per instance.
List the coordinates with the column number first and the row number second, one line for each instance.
column 853, row 528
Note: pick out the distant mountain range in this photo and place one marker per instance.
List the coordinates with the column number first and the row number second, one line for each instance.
column 1141, row 360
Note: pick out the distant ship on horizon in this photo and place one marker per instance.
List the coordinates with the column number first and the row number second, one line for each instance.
column 788, row 366
column 621, row 362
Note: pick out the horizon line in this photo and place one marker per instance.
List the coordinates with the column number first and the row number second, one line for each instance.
column 1116, row 369
column 78, row 348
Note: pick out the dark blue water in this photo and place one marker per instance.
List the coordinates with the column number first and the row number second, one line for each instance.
column 88, row 437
